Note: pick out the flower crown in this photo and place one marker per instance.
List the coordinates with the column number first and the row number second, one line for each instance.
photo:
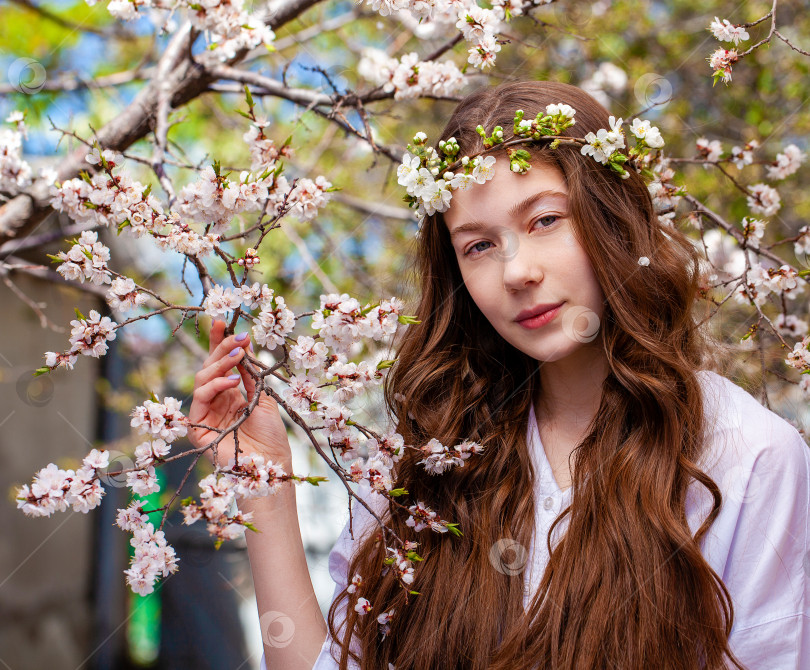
column 422, row 164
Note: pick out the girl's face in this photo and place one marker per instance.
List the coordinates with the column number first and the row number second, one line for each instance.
column 518, row 254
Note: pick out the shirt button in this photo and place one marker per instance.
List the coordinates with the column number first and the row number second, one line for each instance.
column 548, row 503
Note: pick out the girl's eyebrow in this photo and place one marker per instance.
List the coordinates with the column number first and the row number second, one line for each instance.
column 514, row 211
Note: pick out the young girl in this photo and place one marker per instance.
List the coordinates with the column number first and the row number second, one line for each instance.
column 631, row 509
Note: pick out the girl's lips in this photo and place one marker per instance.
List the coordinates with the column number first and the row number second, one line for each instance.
column 541, row 319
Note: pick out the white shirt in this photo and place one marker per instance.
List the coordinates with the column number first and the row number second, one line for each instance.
column 758, row 544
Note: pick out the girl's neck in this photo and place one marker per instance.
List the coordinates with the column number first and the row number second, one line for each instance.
column 571, row 389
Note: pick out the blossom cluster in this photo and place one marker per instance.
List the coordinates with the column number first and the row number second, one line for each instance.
column 124, row 295
column 478, row 25
column 153, row 556
column 263, row 150
column 787, row 162
column 422, row 517
column 163, row 420
column 760, row 281
column 340, row 320
column 54, row 489
column 109, row 199
column 87, row 259
column 308, row 196
column 251, row 477
column 15, row 173
column 88, row 337
column 216, row 200
column 229, row 26
column 763, row 199
column 722, row 59
column 799, row 358
column 439, row 457
column 409, row 77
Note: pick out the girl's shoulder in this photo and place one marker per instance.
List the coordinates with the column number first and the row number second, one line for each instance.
column 758, row 459
column 759, row 543
column 736, row 420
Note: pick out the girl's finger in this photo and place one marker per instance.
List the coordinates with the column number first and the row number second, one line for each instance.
column 218, row 368
column 226, row 345
column 215, row 336
column 247, row 380
column 205, row 394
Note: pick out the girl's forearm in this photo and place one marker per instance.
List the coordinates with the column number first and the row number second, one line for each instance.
column 293, row 627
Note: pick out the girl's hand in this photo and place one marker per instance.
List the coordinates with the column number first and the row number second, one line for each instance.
column 218, row 400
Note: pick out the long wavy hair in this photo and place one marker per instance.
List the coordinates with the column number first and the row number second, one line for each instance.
column 626, row 586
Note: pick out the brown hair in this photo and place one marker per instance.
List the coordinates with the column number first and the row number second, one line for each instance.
column 627, row 585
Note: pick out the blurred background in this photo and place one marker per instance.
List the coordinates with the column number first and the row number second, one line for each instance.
column 63, row 599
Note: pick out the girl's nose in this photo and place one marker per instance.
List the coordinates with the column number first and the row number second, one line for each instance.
column 521, row 264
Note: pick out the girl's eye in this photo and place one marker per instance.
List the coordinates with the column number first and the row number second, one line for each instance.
column 549, row 219
column 547, row 216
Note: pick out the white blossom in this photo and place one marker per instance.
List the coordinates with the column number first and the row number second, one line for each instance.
column 409, row 77
column 602, row 144
column 147, row 452
column 787, row 162
column 161, row 419
column 132, row 517
column 799, row 358
column 123, row 295
column 607, row 80
column 362, row 606
column 756, row 284
column 763, row 199
column 649, row 133
column 721, row 61
column 802, row 244
column 273, row 323
column 86, row 260
column 221, row 301
column 710, row 150
column 307, row 354
column 152, row 558
column 301, row 393
column 742, row 156
column 728, row 32
column 143, row 482
column 89, row 336
column 440, row 458
column 790, row 325
column 309, row 196
column 15, row 173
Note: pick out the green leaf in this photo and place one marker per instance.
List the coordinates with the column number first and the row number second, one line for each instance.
column 398, row 492
column 41, row 371
column 79, row 314
column 453, row 528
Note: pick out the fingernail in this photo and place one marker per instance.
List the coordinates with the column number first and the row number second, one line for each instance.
column 235, row 351
column 234, row 376
column 240, row 337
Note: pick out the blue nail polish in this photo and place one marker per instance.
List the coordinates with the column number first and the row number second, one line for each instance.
column 235, row 376
column 240, row 337
column 235, row 351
